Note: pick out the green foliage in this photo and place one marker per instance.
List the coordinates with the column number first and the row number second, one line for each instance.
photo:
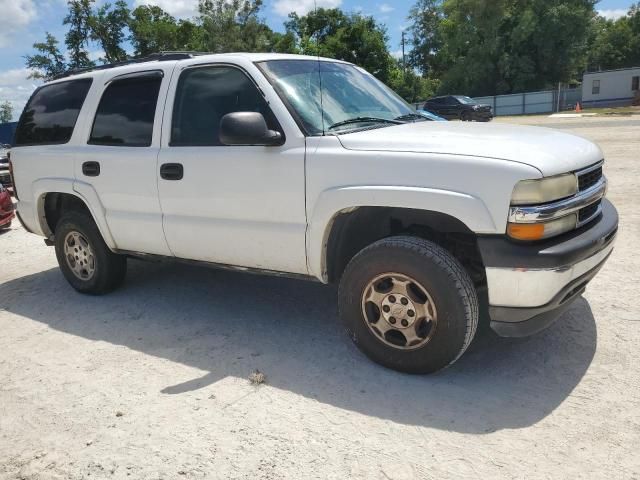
column 410, row 86
column 48, row 61
column 77, row 38
column 475, row 47
column 615, row 43
column 426, row 39
column 154, row 30
column 233, row 26
column 504, row 46
column 350, row 37
column 6, row 112
column 107, row 26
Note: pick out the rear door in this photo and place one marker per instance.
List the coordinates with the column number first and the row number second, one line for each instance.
column 120, row 157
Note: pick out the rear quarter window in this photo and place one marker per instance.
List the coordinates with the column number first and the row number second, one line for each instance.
column 51, row 113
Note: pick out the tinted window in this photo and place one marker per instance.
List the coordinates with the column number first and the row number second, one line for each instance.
column 51, row 113
column 204, row 95
column 595, row 89
column 126, row 112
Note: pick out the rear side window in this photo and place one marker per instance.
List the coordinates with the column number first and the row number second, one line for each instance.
column 50, row 115
column 126, row 111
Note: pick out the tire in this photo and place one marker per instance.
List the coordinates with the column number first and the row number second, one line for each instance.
column 466, row 117
column 6, row 226
column 451, row 299
column 104, row 270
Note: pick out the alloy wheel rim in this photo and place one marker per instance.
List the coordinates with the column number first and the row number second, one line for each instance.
column 399, row 311
column 79, row 255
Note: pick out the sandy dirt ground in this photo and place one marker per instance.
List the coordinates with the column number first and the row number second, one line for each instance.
column 152, row 382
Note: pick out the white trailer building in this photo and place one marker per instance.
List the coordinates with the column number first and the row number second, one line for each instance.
column 610, row 88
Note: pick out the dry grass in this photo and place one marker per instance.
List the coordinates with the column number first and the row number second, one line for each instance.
column 257, row 377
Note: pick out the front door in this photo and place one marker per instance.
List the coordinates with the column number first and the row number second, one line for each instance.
column 234, row 205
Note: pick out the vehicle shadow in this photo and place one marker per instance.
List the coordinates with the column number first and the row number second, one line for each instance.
column 228, row 324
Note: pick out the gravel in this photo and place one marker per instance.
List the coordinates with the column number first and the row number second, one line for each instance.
column 151, row 381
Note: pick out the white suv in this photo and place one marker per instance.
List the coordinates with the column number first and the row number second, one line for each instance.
column 311, row 167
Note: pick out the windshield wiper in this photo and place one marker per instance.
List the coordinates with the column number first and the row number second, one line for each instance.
column 409, row 116
column 362, row 120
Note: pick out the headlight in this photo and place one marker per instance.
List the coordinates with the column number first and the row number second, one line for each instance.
column 540, row 231
column 544, row 190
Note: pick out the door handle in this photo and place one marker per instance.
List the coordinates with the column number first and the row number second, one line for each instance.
column 172, row 171
column 91, row 169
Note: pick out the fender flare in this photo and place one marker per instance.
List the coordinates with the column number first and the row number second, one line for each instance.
column 81, row 190
column 470, row 210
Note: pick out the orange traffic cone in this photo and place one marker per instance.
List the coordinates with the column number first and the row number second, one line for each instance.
column 578, row 108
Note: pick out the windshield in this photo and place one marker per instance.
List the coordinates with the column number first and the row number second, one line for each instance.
column 351, row 97
column 466, row 100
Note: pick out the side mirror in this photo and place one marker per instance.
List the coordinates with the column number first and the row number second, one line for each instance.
column 247, row 128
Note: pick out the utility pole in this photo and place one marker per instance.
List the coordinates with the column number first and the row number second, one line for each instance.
column 404, row 63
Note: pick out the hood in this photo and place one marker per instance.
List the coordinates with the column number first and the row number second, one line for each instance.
column 550, row 151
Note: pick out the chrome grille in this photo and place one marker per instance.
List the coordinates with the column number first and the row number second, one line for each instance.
column 589, row 177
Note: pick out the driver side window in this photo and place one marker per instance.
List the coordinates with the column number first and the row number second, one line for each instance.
column 206, row 94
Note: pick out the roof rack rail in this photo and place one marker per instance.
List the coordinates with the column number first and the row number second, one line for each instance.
column 163, row 56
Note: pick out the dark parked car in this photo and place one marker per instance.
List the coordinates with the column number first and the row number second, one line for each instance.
column 459, row 107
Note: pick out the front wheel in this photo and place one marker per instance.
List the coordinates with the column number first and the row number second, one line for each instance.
column 85, row 260
column 408, row 304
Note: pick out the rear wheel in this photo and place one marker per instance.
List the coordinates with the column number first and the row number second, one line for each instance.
column 408, row 304
column 85, row 260
column 466, row 117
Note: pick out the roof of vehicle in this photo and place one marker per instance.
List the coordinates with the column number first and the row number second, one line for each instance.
column 184, row 56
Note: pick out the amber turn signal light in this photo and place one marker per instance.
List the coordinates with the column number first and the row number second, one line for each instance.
column 526, row 231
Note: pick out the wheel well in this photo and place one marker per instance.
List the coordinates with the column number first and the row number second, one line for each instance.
column 55, row 204
column 355, row 230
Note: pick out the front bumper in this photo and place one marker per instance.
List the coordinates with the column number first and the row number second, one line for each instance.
column 530, row 285
column 482, row 115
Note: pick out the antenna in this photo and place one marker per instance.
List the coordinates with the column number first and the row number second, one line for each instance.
column 315, row 11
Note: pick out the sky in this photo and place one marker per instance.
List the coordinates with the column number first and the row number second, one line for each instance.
column 26, row 21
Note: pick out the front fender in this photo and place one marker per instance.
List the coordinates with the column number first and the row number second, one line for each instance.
column 468, row 209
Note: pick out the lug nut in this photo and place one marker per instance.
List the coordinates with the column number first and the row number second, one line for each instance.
column 411, row 313
column 392, row 299
column 386, row 309
column 404, row 322
column 404, row 301
column 392, row 320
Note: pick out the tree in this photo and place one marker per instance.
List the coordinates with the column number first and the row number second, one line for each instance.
column 615, row 43
column 233, row 26
column 505, row 46
column 48, row 62
column 6, row 112
column 154, row 30
column 410, row 86
column 426, row 40
column 350, row 37
column 107, row 26
column 77, row 38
